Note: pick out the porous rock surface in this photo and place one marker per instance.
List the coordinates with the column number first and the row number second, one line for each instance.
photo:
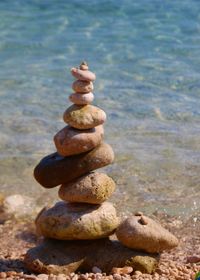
column 92, row 188
column 74, row 221
column 84, row 117
column 54, row 256
column 142, row 233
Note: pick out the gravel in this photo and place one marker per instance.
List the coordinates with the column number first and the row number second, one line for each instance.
column 182, row 263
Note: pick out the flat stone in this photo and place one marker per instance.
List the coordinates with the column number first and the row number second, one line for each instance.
column 84, row 117
column 70, row 141
column 83, row 75
column 143, row 233
column 81, row 99
column 92, row 188
column 82, row 86
column 56, row 257
column 54, row 170
column 74, row 221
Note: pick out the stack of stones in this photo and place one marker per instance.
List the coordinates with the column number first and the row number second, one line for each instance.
column 83, row 213
column 77, row 229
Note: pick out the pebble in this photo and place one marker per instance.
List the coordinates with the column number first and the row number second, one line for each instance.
column 96, row 269
column 83, row 75
column 70, row 141
column 43, row 276
column 82, row 87
column 81, row 99
column 54, row 170
column 84, row 117
column 18, row 205
column 122, row 270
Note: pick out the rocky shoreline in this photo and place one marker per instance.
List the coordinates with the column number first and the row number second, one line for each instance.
column 181, row 263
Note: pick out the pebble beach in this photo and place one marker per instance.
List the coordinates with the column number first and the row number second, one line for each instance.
column 137, row 124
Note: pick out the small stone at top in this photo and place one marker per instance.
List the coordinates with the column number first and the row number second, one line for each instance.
column 84, row 66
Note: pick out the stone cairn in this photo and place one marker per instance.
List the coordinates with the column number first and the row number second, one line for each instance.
column 77, row 229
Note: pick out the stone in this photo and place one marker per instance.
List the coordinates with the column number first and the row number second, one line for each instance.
column 72, row 221
column 81, row 99
column 122, row 270
column 144, row 264
column 56, row 256
column 84, row 66
column 84, row 117
column 19, row 205
column 82, row 86
column 54, row 170
column 70, row 141
column 93, row 188
column 83, row 75
column 143, row 233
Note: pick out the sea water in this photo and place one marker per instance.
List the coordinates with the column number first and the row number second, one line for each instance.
column 146, row 55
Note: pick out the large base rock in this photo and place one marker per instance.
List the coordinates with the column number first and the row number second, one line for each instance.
column 72, row 221
column 53, row 256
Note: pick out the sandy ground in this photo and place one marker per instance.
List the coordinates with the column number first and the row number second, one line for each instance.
column 181, row 263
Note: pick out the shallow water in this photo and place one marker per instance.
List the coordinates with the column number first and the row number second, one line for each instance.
column 147, row 59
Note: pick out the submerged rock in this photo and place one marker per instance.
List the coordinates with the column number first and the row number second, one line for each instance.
column 54, row 256
column 19, row 205
column 54, row 170
column 142, row 233
column 92, row 188
column 72, row 221
column 84, row 117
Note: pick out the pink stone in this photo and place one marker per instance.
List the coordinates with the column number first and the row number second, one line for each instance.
column 70, row 141
column 83, row 75
column 81, row 99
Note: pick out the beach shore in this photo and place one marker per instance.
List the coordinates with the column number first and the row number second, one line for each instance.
column 17, row 236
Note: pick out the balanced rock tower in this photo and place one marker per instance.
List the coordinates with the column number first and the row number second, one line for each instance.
column 76, row 230
column 83, row 213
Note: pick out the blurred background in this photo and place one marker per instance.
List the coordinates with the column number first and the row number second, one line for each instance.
column 146, row 57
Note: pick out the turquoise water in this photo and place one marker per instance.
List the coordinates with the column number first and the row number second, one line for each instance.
column 146, row 56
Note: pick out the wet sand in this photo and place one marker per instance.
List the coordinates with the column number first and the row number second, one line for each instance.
column 180, row 263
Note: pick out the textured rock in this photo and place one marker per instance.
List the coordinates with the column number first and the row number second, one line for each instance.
column 54, row 170
column 145, row 264
column 81, row 99
column 70, row 141
column 54, row 256
column 84, row 117
column 83, row 75
column 92, row 188
column 82, row 86
column 142, row 233
column 73, row 221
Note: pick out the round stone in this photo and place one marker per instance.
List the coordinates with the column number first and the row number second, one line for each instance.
column 84, row 117
column 81, row 99
column 70, row 141
column 83, row 75
column 75, row 221
column 93, row 188
column 54, row 170
column 82, row 86
column 142, row 233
